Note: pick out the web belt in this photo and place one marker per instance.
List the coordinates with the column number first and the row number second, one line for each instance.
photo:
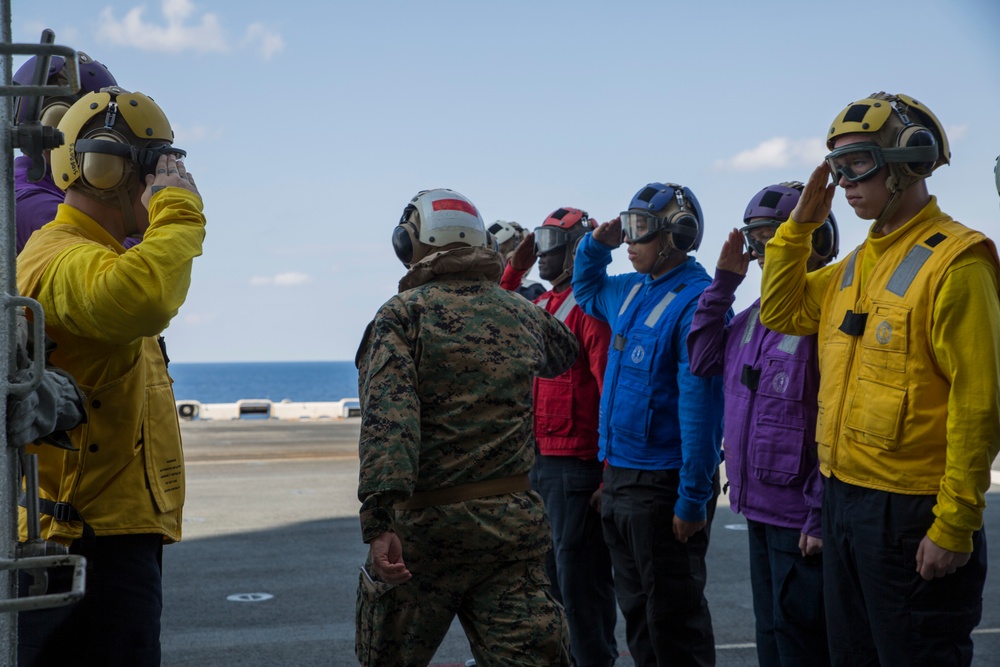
column 463, row 492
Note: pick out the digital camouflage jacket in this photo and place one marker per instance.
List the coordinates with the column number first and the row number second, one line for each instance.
column 445, row 380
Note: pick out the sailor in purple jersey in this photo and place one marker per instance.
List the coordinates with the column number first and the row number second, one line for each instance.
column 771, row 383
column 36, row 202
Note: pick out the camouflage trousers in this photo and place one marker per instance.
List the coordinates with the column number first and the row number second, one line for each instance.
column 505, row 608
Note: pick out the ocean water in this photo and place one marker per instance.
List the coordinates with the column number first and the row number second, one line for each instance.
column 305, row 381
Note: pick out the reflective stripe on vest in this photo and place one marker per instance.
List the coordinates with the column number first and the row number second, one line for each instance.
column 751, row 323
column 848, row 278
column 628, row 299
column 657, row 312
column 563, row 312
column 904, row 274
column 789, row 343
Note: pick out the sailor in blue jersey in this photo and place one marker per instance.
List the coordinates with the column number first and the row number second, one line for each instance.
column 660, row 426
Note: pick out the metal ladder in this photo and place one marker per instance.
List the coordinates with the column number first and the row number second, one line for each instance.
column 32, row 138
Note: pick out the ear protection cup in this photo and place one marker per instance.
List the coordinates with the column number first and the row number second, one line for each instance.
column 404, row 240
column 492, row 243
column 684, row 242
column 824, row 241
column 54, row 113
column 102, row 170
column 687, row 215
column 913, row 136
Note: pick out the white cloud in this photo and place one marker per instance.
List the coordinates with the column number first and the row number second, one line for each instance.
column 956, row 132
column 183, row 28
column 291, row 278
column 204, row 35
column 775, row 153
column 281, row 279
column 268, row 41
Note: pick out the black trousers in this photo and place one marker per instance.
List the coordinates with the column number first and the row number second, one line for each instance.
column 879, row 610
column 580, row 560
column 659, row 582
column 787, row 598
column 118, row 620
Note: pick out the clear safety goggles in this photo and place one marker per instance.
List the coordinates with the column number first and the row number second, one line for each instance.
column 640, row 226
column 855, row 162
column 754, row 244
column 549, row 239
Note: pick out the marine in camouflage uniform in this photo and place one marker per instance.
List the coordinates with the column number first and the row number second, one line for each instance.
column 445, row 374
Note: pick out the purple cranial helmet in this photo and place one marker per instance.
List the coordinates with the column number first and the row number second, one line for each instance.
column 775, row 202
column 93, row 77
column 773, row 205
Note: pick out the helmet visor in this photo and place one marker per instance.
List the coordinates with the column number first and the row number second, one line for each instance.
column 550, row 239
column 640, row 226
column 855, row 162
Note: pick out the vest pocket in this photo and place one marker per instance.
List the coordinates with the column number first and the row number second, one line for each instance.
column 637, row 358
column 875, row 414
column 164, row 457
column 775, row 455
column 554, row 412
column 630, row 412
column 884, row 344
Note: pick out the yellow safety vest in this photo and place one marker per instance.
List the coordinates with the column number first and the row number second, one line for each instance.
column 882, row 399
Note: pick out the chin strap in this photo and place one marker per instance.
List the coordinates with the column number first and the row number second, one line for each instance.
column 120, row 198
column 890, row 210
column 568, row 260
column 125, row 203
column 897, row 183
column 666, row 251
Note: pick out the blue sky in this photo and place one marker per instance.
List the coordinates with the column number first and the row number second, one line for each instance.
column 309, row 125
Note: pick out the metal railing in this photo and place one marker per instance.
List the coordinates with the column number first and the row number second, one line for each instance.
column 31, row 138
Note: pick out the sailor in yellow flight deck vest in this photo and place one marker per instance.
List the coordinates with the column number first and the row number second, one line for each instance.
column 118, row 497
column 909, row 400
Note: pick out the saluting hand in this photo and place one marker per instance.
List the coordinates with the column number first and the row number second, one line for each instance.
column 170, row 172
column 609, row 233
column 733, row 256
column 817, row 197
column 524, row 254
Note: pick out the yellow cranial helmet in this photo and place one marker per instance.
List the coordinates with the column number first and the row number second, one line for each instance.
column 113, row 138
column 908, row 136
